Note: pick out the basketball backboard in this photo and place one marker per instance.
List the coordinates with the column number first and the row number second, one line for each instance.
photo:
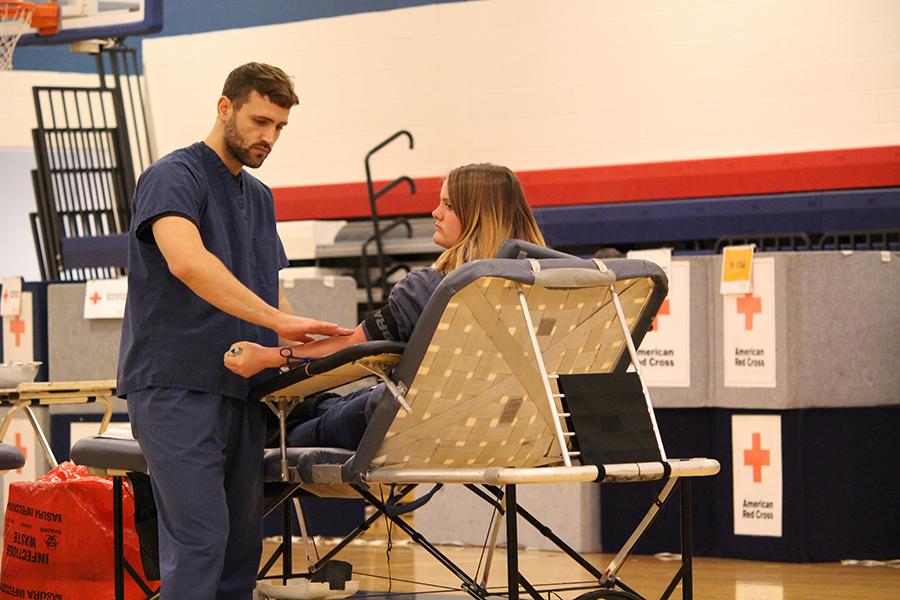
column 98, row 19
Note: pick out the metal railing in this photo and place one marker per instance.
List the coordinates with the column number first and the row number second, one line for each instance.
column 91, row 144
column 383, row 271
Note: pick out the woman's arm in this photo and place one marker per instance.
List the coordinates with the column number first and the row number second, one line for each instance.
column 253, row 358
column 326, row 346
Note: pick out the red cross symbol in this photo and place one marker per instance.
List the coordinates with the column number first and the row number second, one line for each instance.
column 95, row 298
column 17, row 328
column 757, row 458
column 21, row 448
column 663, row 310
column 749, row 305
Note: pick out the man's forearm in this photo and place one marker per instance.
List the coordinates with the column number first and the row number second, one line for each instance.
column 188, row 260
column 207, row 277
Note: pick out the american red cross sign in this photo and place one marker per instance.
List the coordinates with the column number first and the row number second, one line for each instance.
column 17, row 328
column 663, row 310
column 757, row 458
column 749, row 305
column 96, row 298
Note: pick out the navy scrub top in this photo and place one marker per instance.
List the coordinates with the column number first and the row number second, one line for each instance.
column 170, row 336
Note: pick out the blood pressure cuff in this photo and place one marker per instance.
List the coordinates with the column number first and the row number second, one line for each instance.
column 382, row 325
column 395, row 321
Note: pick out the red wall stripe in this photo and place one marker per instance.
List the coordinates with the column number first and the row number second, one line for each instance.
column 707, row 178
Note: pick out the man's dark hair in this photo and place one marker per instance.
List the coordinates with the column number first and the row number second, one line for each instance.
column 268, row 81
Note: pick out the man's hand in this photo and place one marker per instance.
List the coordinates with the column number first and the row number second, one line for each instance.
column 299, row 329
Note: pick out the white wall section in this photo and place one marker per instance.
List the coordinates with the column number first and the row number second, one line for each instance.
column 537, row 84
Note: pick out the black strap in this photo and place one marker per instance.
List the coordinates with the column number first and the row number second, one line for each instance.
column 392, row 508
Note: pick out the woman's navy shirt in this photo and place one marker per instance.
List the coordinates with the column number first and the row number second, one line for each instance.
column 170, row 336
column 396, row 320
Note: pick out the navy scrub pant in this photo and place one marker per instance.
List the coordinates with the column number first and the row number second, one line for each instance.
column 205, row 454
column 340, row 421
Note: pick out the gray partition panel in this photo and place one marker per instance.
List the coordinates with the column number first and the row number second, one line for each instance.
column 699, row 393
column 837, row 322
column 844, row 323
column 572, row 510
column 82, row 349
column 329, row 299
column 79, row 349
column 751, row 397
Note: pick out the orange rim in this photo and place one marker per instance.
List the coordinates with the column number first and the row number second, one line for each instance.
column 44, row 17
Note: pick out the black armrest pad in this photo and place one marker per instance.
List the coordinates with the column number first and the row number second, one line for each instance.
column 109, row 453
column 325, row 364
column 302, row 460
column 11, row 457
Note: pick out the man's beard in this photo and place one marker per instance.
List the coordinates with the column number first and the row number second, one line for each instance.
column 235, row 144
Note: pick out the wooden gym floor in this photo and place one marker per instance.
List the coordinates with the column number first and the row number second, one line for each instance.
column 714, row 578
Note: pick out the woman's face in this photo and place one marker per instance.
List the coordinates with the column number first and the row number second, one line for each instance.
column 447, row 227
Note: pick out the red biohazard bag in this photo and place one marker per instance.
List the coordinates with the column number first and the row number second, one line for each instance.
column 58, row 538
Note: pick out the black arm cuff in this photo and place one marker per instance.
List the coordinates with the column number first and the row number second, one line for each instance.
column 381, row 325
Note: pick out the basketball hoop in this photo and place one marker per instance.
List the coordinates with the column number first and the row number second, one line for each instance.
column 16, row 17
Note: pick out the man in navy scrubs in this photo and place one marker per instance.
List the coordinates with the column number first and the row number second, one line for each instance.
column 203, row 263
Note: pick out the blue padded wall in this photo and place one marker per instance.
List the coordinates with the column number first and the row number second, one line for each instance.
column 710, row 218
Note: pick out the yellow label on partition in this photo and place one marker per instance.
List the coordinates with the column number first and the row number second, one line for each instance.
column 737, row 269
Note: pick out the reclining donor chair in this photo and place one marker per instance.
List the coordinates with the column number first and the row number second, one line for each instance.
column 517, row 372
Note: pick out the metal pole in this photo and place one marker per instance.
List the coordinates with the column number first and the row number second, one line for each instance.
column 632, row 352
column 495, row 534
column 542, row 370
column 512, row 545
column 687, row 541
column 118, row 546
column 42, row 439
column 282, row 435
column 310, row 566
column 287, row 562
column 619, row 559
column 124, row 157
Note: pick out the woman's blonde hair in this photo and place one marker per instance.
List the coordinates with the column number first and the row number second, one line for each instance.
column 491, row 207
